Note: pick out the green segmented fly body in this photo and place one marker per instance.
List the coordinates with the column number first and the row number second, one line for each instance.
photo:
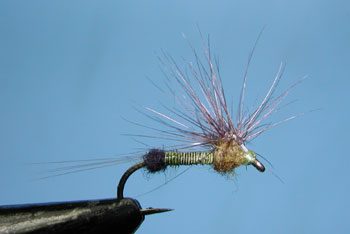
column 175, row 158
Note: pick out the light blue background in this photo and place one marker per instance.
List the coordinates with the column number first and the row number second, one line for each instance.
column 70, row 69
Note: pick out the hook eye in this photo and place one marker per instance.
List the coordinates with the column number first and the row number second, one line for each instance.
column 258, row 165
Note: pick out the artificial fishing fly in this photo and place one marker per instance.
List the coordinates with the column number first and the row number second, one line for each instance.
column 207, row 122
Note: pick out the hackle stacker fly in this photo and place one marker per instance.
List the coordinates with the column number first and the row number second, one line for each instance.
column 205, row 123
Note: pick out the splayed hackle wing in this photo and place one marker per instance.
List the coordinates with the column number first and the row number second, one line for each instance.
column 205, row 119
